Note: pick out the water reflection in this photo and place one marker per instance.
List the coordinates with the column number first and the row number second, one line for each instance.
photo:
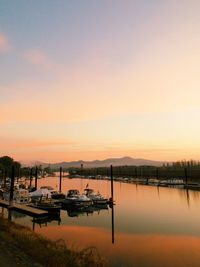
column 113, row 223
column 153, row 226
column 73, row 211
column 41, row 222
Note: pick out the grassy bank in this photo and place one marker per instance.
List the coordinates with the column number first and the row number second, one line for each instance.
column 34, row 248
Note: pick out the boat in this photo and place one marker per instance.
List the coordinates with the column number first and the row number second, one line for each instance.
column 37, row 194
column 96, row 198
column 20, row 196
column 54, row 194
column 46, row 204
column 74, row 198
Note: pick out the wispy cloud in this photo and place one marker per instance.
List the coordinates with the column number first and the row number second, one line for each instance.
column 19, row 143
column 37, row 57
column 4, row 43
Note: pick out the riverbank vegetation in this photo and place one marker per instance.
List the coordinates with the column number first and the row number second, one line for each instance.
column 181, row 169
column 39, row 251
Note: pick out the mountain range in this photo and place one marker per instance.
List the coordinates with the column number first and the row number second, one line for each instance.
column 124, row 161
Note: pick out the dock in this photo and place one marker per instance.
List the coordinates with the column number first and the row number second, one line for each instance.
column 30, row 211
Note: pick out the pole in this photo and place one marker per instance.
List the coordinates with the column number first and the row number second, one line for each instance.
column 31, row 176
column 135, row 172
column 12, row 185
column 157, row 173
column 36, row 177
column 60, row 184
column 186, row 176
column 111, row 180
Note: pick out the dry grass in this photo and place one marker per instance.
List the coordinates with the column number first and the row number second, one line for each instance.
column 46, row 252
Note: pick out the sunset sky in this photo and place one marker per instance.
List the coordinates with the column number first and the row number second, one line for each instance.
column 89, row 79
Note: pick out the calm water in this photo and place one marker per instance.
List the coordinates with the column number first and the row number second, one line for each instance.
column 153, row 226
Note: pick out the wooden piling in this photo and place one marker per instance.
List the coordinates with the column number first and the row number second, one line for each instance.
column 186, row 176
column 60, row 182
column 157, row 173
column 36, row 177
column 12, row 185
column 81, row 170
column 111, row 180
column 31, row 177
column 136, row 173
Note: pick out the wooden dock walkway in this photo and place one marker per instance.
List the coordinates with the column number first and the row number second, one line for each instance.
column 33, row 212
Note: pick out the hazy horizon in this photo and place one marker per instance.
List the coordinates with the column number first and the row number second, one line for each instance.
column 99, row 79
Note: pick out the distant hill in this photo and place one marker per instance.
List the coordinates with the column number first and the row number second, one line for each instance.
column 125, row 161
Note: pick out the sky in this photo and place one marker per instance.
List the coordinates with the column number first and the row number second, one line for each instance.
column 97, row 79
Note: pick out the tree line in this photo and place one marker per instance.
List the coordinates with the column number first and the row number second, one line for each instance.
column 6, row 164
column 180, row 170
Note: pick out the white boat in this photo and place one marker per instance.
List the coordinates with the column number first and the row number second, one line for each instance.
column 20, row 196
column 96, row 198
column 40, row 193
column 54, row 194
column 74, row 198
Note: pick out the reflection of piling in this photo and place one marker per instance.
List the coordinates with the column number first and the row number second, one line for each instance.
column 33, row 228
column 186, row 176
column 12, row 185
column 60, row 182
column 36, row 177
column 9, row 215
column 111, row 180
column 188, row 197
column 113, row 225
column 158, row 190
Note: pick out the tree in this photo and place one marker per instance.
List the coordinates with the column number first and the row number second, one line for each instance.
column 6, row 164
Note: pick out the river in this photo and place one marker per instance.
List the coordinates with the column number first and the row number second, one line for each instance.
column 149, row 225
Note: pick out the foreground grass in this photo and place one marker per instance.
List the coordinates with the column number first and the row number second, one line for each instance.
column 44, row 251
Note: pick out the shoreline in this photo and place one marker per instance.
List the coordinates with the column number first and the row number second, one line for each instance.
column 22, row 247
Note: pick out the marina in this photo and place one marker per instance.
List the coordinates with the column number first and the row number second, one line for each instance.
column 150, row 218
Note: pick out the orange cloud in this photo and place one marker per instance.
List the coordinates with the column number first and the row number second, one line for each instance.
column 4, row 43
column 31, row 143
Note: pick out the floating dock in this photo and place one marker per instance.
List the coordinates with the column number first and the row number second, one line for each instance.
column 30, row 211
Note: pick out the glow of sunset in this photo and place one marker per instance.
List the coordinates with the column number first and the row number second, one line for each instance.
column 97, row 79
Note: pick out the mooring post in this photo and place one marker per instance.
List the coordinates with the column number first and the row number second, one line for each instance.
column 186, row 176
column 60, row 183
column 12, row 185
column 111, row 180
column 36, row 177
column 157, row 173
column 81, row 170
column 31, row 176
